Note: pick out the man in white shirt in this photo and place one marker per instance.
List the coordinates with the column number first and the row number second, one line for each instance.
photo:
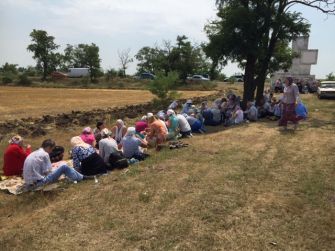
column 37, row 167
column 184, row 126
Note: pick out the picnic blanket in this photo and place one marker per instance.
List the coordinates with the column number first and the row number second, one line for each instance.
column 15, row 185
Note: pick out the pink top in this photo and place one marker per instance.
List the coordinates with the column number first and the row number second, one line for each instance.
column 88, row 138
column 291, row 94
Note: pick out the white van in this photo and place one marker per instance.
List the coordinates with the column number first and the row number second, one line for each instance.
column 78, row 72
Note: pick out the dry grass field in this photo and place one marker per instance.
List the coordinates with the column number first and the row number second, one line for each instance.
column 250, row 187
column 18, row 102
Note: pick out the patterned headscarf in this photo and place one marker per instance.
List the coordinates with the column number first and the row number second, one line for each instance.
column 17, row 140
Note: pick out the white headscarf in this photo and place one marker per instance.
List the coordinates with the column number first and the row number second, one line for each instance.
column 131, row 131
column 119, row 131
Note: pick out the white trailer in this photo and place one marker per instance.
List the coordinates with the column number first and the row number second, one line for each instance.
column 78, row 72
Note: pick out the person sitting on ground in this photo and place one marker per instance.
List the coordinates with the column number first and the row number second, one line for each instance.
column 301, row 110
column 57, row 154
column 173, row 105
column 14, row 156
column 37, row 167
column 263, row 108
column 97, row 132
column 186, row 106
column 131, row 145
column 218, row 102
column 85, row 158
column 217, row 116
column 251, row 113
column 87, row 136
column 203, row 107
column 107, row 145
column 237, row 115
column 141, row 126
column 119, row 130
column 196, row 124
column 231, row 104
column 157, row 132
column 184, row 126
column 172, row 125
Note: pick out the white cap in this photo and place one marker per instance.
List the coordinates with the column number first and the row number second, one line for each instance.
column 170, row 112
column 105, row 132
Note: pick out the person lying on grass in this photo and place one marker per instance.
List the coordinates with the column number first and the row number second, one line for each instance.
column 37, row 167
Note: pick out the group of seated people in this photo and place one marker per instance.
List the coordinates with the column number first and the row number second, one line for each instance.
column 271, row 107
column 95, row 151
column 101, row 150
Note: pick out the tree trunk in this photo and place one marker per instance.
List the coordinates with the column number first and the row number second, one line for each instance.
column 264, row 68
column 45, row 70
column 249, row 83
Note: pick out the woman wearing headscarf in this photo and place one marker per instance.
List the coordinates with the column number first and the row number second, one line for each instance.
column 85, row 158
column 87, row 136
column 289, row 101
column 14, row 156
column 131, row 145
column 157, row 132
column 119, row 131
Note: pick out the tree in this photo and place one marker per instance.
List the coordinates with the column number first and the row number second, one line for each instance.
column 258, row 41
column 43, row 47
column 82, row 55
column 125, row 59
column 9, row 68
column 183, row 58
column 162, row 85
column 330, row 76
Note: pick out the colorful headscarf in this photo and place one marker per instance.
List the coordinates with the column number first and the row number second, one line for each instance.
column 17, row 140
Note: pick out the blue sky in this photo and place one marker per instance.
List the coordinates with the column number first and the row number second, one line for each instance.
column 120, row 24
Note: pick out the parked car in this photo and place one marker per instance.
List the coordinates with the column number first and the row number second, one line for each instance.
column 235, row 78
column 147, row 75
column 197, row 78
column 326, row 89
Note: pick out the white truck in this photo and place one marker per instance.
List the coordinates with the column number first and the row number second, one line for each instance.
column 78, row 72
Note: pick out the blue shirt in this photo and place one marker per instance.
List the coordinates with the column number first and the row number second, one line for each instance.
column 131, row 146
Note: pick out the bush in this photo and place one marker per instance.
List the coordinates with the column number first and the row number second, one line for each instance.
column 7, row 79
column 162, row 85
column 24, row 80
